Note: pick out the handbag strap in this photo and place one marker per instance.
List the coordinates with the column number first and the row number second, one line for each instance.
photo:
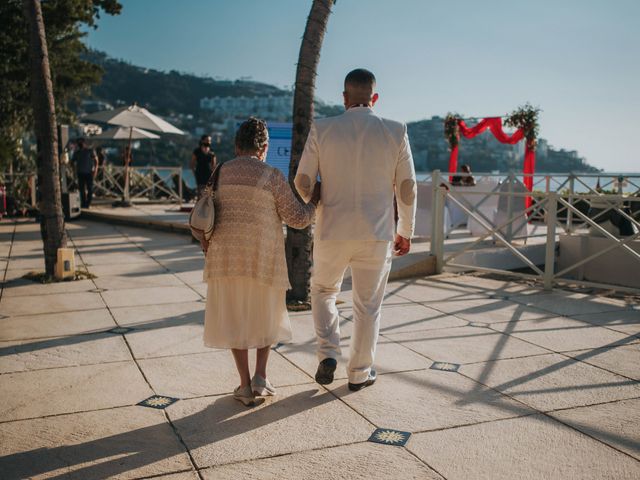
column 213, row 179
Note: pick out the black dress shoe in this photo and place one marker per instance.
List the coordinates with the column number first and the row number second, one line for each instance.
column 324, row 375
column 354, row 387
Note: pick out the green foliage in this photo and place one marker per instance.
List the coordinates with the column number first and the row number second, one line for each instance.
column 451, row 129
column 526, row 118
column 71, row 74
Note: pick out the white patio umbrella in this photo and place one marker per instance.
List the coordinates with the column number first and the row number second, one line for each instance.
column 134, row 116
column 124, row 133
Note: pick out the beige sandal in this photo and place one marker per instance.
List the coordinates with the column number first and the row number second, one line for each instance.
column 245, row 396
column 262, row 387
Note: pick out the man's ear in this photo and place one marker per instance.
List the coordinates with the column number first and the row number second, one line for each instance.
column 374, row 99
column 345, row 99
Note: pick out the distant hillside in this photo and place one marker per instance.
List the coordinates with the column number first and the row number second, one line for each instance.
column 177, row 95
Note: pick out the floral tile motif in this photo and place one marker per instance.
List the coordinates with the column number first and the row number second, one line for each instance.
column 387, row 436
column 120, row 330
column 445, row 366
column 158, row 401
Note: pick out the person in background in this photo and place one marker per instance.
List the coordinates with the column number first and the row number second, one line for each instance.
column 467, row 180
column 86, row 164
column 203, row 163
column 102, row 161
column 127, row 156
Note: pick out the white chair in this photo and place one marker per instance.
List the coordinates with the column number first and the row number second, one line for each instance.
column 520, row 226
column 424, row 211
column 472, row 198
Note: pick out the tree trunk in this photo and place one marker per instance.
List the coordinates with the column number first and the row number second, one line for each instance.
column 298, row 244
column 50, row 203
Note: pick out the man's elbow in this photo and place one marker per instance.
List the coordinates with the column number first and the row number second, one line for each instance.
column 303, row 185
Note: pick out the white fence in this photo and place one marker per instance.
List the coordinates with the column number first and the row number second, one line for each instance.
column 138, row 183
column 556, row 217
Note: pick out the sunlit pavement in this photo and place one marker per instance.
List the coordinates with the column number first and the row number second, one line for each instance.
column 479, row 378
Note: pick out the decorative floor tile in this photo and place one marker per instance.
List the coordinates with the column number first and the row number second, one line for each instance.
column 158, row 401
column 387, row 436
column 120, row 330
column 445, row 366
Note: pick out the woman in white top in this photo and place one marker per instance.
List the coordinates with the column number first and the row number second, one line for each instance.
column 245, row 265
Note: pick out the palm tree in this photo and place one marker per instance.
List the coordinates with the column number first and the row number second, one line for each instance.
column 298, row 243
column 44, row 114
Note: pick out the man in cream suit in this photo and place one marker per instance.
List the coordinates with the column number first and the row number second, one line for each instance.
column 363, row 161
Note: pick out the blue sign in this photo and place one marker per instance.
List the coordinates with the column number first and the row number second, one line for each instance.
column 279, row 153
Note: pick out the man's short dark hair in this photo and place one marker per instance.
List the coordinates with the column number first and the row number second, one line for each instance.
column 81, row 142
column 360, row 77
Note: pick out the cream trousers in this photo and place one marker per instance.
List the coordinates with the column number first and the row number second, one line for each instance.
column 370, row 262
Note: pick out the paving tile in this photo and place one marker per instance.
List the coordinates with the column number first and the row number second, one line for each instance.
column 561, row 334
column 415, row 317
column 126, row 443
column 568, row 303
column 31, row 262
column 24, row 287
column 118, row 257
column 18, row 356
column 192, row 475
column 211, row 373
column 465, row 344
column 390, row 357
column 427, row 400
column 533, row 447
column 550, row 382
column 73, row 389
column 149, row 296
column 487, row 310
column 56, row 302
column 120, row 282
column 160, row 316
column 134, row 270
column 55, row 324
column 419, row 290
column 165, row 341
column 362, row 461
column 623, row 360
column 220, row 430
column 625, row 321
column 615, row 423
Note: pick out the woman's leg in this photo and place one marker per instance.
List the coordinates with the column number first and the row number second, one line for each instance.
column 242, row 364
column 262, row 355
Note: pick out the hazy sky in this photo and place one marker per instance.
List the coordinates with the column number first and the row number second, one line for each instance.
column 576, row 59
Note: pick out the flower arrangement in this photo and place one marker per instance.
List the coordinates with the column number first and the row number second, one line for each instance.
column 451, row 129
column 526, row 118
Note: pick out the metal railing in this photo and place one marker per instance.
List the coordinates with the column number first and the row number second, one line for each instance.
column 545, row 206
column 137, row 183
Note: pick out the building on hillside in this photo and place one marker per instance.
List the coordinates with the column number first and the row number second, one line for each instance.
column 268, row 107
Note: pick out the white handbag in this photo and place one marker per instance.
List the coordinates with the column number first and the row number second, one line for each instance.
column 203, row 215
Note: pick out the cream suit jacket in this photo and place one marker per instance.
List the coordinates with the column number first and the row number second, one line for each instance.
column 362, row 160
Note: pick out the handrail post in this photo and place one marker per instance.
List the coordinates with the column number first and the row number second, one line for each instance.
column 435, row 181
column 550, row 251
column 437, row 235
column 180, row 186
column 572, row 180
column 511, row 179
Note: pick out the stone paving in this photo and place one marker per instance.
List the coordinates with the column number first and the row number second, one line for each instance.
column 482, row 378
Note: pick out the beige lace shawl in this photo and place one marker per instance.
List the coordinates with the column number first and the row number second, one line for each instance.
column 252, row 200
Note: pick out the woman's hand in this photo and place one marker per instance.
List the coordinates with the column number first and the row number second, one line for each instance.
column 315, row 196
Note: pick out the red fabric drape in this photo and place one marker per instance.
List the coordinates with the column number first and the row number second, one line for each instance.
column 494, row 124
column 453, row 162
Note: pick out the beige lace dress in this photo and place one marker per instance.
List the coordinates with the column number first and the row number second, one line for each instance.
column 245, row 266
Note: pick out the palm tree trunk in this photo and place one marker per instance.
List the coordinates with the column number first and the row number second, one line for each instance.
column 50, row 204
column 299, row 242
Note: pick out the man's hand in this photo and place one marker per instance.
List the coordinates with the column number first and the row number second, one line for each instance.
column 401, row 246
column 315, row 196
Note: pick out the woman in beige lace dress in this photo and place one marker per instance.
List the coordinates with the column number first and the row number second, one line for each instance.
column 245, row 264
